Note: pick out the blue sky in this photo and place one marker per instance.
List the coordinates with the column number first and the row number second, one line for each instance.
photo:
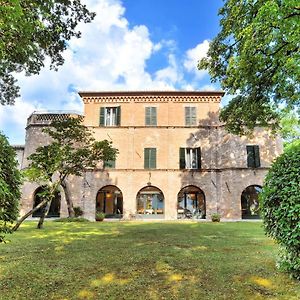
column 131, row 45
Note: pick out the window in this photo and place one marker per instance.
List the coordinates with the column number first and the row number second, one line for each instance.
column 110, row 116
column 110, row 164
column 190, row 116
column 190, row 158
column 150, row 116
column 150, row 158
column 253, row 159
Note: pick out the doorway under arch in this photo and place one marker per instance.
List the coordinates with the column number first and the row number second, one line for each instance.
column 54, row 210
column 250, row 202
column 191, row 203
column 150, row 202
column 109, row 200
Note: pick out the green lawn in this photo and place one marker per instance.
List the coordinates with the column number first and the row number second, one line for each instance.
column 130, row 260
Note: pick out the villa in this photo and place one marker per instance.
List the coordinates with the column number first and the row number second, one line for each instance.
column 176, row 160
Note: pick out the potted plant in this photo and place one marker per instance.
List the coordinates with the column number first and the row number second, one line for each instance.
column 215, row 217
column 100, row 216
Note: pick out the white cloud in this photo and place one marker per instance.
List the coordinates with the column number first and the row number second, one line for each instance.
column 193, row 56
column 110, row 55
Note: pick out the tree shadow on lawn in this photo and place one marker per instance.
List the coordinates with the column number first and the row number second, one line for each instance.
column 141, row 261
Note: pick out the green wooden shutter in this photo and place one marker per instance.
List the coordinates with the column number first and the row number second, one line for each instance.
column 118, row 123
column 150, row 158
column 256, row 156
column 250, row 157
column 199, row 158
column 153, row 116
column 182, row 158
column 147, row 116
column 110, row 164
column 153, row 158
column 146, row 158
column 193, row 116
column 101, row 117
column 187, row 116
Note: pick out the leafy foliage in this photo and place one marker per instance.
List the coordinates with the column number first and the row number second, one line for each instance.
column 72, row 150
column 289, row 127
column 31, row 31
column 280, row 206
column 10, row 181
column 256, row 57
column 78, row 211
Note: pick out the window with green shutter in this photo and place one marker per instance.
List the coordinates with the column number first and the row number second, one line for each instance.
column 110, row 116
column 253, row 156
column 190, row 158
column 150, row 116
column 150, row 158
column 111, row 164
column 190, row 116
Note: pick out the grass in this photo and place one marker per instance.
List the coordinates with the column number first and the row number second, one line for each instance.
column 131, row 260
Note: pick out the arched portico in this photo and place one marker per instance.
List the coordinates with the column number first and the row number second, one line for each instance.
column 250, row 202
column 191, row 203
column 54, row 210
column 109, row 200
column 150, row 202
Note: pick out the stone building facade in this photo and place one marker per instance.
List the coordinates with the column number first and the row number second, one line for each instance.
column 176, row 160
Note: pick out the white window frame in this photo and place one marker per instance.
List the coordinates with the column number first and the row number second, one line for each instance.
column 191, row 158
column 110, row 116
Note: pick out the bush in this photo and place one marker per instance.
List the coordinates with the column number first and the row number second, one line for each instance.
column 100, row 216
column 280, row 207
column 215, row 217
column 10, row 181
column 78, row 211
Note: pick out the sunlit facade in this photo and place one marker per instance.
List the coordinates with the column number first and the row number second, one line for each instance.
column 175, row 161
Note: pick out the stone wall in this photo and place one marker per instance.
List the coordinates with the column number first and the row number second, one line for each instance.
column 224, row 173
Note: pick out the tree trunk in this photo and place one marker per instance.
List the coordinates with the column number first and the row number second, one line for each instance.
column 44, row 214
column 20, row 221
column 68, row 199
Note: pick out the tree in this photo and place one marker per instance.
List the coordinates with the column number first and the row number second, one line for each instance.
column 10, row 181
column 72, row 150
column 280, row 207
column 256, row 57
column 289, row 127
column 31, row 31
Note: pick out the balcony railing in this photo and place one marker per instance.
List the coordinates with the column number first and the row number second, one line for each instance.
column 47, row 117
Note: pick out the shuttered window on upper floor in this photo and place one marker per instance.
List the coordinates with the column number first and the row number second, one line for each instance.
column 190, row 158
column 111, row 164
column 253, row 156
column 150, row 116
column 190, row 116
column 150, row 158
column 110, row 116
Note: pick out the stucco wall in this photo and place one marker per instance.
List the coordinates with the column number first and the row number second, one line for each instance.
column 222, row 178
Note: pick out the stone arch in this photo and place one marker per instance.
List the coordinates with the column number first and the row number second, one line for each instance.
column 109, row 200
column 150, row 201
column 54, row 210
column 250, row 202
column 191, row 203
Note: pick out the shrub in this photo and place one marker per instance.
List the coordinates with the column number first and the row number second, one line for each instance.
column 215, row 217
column 280, row 207
column 100, row 216
column 10, row 181
column 78, row 211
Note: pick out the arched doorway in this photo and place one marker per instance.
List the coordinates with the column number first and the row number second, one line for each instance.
column 109, row 200
column 150, row 202
column 250, row 202
column 54, row 210
column 191, row 203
